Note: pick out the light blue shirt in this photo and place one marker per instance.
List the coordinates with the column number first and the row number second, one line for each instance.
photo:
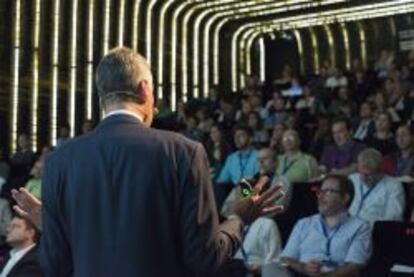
column 350, row 241
column 385, row 201
column 239, row 165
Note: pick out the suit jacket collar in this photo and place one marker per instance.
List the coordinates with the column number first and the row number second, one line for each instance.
column 28, row 257
column 119, row 119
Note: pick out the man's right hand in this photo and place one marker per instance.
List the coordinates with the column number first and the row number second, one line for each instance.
column 312, row 268
column 28, row 206
column 260, row 204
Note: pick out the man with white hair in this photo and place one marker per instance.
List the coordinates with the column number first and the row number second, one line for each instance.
column 378, row 197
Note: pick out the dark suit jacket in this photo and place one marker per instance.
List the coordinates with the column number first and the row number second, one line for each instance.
column 27, row 266
column 127, row 200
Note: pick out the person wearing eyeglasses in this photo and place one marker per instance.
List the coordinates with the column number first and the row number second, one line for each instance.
column 378, row 197
column 331, row 242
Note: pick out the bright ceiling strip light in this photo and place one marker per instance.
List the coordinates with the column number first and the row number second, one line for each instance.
column 249, row 45
column 184, row 41
column 173, row 51
column 219, row 11
column 362, row 41
column 385, row 9
column 121, row 21
column 35, row 71
column 393, row 27
column 327, row 17
column 299, row 43
column 55, row 73
column 266, row 11
column 148, row 20
column 160, row 52
column 331, row 44
column 106, row 19
column 135, row 20
column 73, row 67
column 241, row 13
column 89, row 60
column 262, row 52
column 315, row 50
column 216, row 47
column 16, row 61
column 347, row 46
column 243, row 59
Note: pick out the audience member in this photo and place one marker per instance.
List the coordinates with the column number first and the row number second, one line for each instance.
column 22, row 236
column 332, row 241
column 378, row 197
column 340, row 157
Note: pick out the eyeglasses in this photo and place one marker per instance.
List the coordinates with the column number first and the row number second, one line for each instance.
column 328, row 191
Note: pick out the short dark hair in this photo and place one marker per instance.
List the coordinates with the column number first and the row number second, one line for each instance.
column 30, row 226
column 342, row 120
column 345, row 185
column 245, row 129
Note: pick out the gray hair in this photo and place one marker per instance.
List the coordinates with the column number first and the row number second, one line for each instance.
column 371, row 158
column 119, row 73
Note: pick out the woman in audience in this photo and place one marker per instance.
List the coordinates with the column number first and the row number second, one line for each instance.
column 217, row 150
column 382, row 139
column 294, row 165
column 276, row 138
column 260, row 136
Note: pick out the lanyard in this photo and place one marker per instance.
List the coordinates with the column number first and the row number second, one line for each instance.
column 243, row 165
column 287, row 166
column 329, row 238
column 402, row 164
column 364, row 196
column 243, row 251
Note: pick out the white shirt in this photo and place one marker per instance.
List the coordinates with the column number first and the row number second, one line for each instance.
column 125, row 112
column 15, row 257
column 262, row 243
column 384, row 202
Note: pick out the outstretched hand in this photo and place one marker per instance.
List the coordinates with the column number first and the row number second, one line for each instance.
column 261, row 203
column 28, row 206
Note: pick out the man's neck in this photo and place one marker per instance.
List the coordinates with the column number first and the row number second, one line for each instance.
column 405, row 153
column 22, row 246
column 245, row 150
column 333, row 220
column 291, row 153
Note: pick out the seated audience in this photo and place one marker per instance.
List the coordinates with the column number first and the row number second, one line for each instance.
column 401, row 162
column 366, row 125
column 382, row 139
column 22, row 236
column 242, row 163
column 378, row 197
column 340, row 157
column 332, row 241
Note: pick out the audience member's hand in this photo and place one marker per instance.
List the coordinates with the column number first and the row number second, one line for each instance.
column 28, row 206
column 260, row 204
column 312, row 268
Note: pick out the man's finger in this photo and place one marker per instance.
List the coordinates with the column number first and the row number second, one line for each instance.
column 275, row 196
column 260, row 185
column 266, row 195
column 20, row 212
column 273, row 210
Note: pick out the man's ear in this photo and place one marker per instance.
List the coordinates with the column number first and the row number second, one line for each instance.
column 143, row 92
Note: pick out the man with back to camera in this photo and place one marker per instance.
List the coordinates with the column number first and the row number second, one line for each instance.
column 127, row 200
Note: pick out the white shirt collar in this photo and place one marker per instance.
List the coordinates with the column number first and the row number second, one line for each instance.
column 125, row 112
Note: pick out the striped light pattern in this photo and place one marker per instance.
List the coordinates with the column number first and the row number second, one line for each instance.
column 55, row 73
column 35, row 76
column 89, row 61
column 73, row 68
column 15, row 88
